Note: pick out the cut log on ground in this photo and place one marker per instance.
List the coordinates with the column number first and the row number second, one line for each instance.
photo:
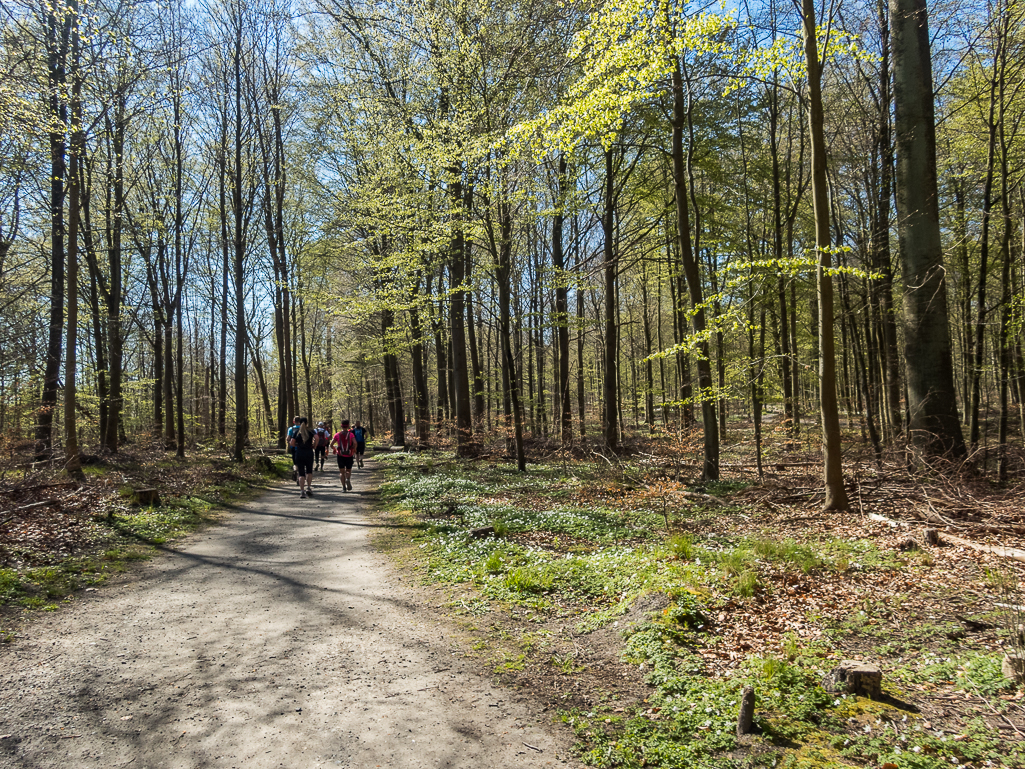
column 146, row 497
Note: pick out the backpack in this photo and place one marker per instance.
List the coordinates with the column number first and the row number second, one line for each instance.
column 346, row 443
column 323, row 437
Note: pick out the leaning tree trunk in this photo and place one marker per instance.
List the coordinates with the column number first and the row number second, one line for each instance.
column 933, row 425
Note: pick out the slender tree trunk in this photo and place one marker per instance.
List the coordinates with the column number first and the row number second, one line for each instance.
column 420, row 398
column 440, row 347
column 982, row 311
column 883, row 286
column 457, row 323
column 710, row 425
column 238, row 266
column 836, row 494
column 503, row 277
column 777, row 242
column 581, row 391
column 562, row 306
column 222, row 392
column 168, row 380
column 471, row 329
column 1007, row 231
column 58, row 30
column 393, row 383
column 610, row 390
column 74, row 461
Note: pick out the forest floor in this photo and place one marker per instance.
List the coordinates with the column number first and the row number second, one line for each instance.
column 278, row 637
column 636, row 603
column 615, row 594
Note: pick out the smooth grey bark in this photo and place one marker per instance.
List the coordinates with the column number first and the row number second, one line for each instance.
column 933, row 423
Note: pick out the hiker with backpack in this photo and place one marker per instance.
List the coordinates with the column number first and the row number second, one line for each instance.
column 305, row 442
column 361, row 434
column 288, row 443
column 344, row 443
column 323, row 439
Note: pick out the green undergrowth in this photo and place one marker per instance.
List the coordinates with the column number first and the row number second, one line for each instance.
column 120, row 535
column 563, row 550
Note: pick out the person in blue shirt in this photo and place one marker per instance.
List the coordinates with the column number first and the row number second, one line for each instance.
column 288, row 442
column 360, row 433
column 305, row 442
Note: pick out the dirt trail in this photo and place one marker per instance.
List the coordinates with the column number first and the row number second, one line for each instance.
column 276, row 639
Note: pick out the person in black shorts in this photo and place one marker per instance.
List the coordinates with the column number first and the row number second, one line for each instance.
column 323, row 439
column 305, row 442
column 361, row 434
column 345, row 446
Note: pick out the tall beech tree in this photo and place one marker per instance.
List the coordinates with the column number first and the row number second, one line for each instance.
column 933, row 423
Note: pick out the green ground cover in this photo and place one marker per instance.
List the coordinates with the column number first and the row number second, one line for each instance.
column 574, row 551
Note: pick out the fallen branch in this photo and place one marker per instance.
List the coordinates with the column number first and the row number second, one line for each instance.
column 1005, row 552
column 34, row 505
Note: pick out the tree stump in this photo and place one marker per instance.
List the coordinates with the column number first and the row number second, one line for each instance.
column 1014, row 667
column 932, row 536
column 483, row 532
column 745, row 718
column 144, row 497
column 853, row 677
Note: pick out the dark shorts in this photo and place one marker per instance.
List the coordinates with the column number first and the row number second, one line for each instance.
column 303, row 463
column 321, row 450
column 360, row 447
column 344, row 463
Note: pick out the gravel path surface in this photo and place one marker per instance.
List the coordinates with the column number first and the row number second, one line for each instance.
column 278, row 638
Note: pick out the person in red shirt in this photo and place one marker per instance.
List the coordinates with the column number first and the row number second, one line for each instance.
column 344, row 444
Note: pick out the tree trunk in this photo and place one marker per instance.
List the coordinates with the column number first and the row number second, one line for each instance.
column 836, row 494
column 710, row 424
column 241, row 379
column 881, row 234
column 58, row 30
column 457, row 321
column 933, row 421
column 503, row 277
column 610, row 389
column 420, row 398
column 562, row 306
column 74, row 461
column 393, row 382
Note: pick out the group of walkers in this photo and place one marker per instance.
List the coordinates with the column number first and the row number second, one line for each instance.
column 309, row 448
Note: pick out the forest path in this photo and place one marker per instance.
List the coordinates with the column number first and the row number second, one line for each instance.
column 278, row 638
